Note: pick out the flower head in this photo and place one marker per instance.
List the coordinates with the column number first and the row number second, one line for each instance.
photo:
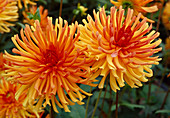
column 33, row 12
column 121, row 47
column 8, row 14
column 9, row 106
column 166, row 16
column 26, row 2
column 49, row 65
column 139, row 6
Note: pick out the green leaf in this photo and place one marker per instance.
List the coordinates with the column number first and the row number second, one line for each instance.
column 43, row 1
column 76, row 12
column 77, row 111
column 21, row 25
column 64, row 1
column 114, row 107
column 163, row 111
column 30, row 16
column 132, row 106
column 37, row 15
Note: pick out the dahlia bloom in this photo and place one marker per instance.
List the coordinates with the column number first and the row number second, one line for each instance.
column 121, row 47
column 166, row 16
column 43, row 16
column 8, row 14
column 139, row 6
column 26, row 2
column 49, row 64
column 9, row 106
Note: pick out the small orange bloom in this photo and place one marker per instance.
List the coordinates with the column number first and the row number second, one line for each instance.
column 139, row 6
column 49, row 65
column 9, row 106
column 26, row 2
column 8, row 14
column 121, row 45
column 166, row 16
column 43, row 16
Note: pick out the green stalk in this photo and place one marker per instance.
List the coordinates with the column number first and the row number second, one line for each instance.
column 51, row 111
column 104, row 98
column 87, row 104
column 96, row 103
column 61, row 5
column 117, row 100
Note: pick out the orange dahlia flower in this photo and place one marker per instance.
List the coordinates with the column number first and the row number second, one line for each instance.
column 43, row 16
column 139, row 6
column 9, row 106
column 166, row 16
column 8, row 14
column 26, row 2
column 50, row 65
column 122, row 47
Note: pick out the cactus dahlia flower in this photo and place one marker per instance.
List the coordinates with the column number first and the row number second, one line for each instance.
column 9, row 106
column 8, row 14
column 43, row 16
column 139, row 6
column 122, row 45
column 49, row 65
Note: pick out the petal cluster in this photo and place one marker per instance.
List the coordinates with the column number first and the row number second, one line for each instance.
column 8, row 14
column 49, row 65
column 43, row 16
column 123, row 47
column 139, row 6
column 9, row 106
column 26, row 2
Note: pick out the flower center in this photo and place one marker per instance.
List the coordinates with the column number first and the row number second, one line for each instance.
column 51, row 56
column 123, row 37
column 8, row 97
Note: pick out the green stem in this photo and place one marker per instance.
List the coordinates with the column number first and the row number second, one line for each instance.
column 73, row 19
column 51, row 111
column 96, row 103
column 117, row 100
column 164, row 101
column 149, row 91
column 87, row 104
column 61, row 5
column 159, row 18
column 103, row 98
column 110, row 103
